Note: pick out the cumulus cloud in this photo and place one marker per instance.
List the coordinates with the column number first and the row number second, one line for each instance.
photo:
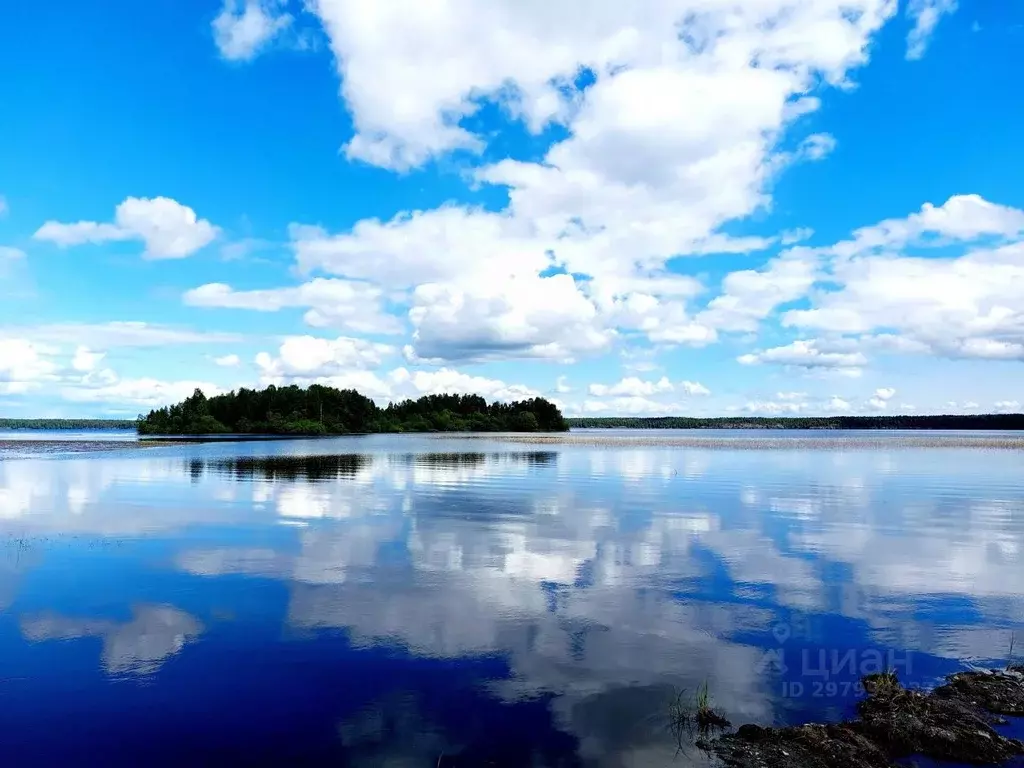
column 85, row 359
column 24, row 365
column 632, row 387
column 149, row 392
column 807, row 353
column 332, row 303
column 228, row 361
column 962, row 218
column 440, row 62
column 626, row 406
column 749, row 296
column 534, row 317
column 678, row 101
column 968, row 306
column 449, row 381
column 1007, row 406
column 885, row 393
column 774, row 408
column 307, row 357
column 345, row 363
column 243, row 29
column 925, row 16
column 169, row 229
column 694, row 388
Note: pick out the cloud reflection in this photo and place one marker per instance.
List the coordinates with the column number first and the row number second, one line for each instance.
column 137, row 647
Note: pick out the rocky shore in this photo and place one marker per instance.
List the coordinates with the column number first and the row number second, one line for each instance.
column 956, row 721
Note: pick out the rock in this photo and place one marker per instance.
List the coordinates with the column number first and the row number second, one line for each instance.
column 953, row 722
column 998, row 692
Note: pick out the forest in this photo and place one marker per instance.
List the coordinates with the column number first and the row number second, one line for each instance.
column 981, row 421
column 66, row 424
column 320, row 410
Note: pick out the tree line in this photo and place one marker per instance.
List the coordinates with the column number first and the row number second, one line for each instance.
column 993, row 421
column 64, row 424
column 320, row 410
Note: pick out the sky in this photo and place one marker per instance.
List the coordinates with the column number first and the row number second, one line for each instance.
column 662, row 207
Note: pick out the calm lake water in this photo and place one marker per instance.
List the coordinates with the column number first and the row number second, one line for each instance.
column 420, row 601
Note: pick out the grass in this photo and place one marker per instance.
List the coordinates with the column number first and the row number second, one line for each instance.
column 694, row 717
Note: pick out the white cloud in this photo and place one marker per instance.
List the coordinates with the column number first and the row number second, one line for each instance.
column 838, row 404
column 147, row 392
column 23, row 365
column 307, row 357
column 411, row 71
column 169, row 229
column 4, row 207
column 790, row 395
column 626, row 406
column 632, row 386
column 793, row 236
column 682, row 98
column 749, row 296
column 228, row 361
column 774, row 408
column 1007, row 406
column 885, row 393
column 562, row 386
column 961, row 218
column 529, row 317
column 332, row 303
column 85, row 360
column 241, row 30
column 9, row 253
column 971, row 306
column 114, row 334
column 925, row 15
column 694, row 388
column 807, row 353
column 449, row 381
column 817, row 146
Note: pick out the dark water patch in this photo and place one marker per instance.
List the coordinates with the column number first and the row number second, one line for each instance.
column 315, row 468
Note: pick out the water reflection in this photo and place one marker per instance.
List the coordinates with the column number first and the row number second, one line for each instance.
column 563, row 593
column 288, row 468
column 137, row 647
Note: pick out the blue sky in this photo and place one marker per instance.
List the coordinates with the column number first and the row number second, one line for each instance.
column 664, row 207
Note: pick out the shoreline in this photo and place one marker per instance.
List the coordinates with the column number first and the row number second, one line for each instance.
column 864, row 441
column 17, row 449
column 954, row 722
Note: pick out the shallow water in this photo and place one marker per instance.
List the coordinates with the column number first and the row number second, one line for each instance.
column 415, row 601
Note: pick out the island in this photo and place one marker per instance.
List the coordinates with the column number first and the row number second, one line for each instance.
column 322, row 410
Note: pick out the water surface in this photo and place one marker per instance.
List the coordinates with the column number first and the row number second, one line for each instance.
column 400, row 600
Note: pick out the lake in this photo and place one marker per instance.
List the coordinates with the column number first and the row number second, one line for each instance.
column 422, row 601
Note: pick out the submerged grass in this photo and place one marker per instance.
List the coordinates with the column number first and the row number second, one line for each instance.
column 693, row 719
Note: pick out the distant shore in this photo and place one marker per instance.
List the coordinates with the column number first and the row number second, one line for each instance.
column 973, row 422
column 864, row 441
